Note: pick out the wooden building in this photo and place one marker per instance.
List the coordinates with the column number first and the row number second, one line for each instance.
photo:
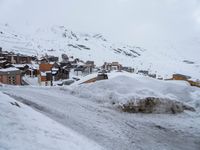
column 45, row 77
column 10, row 76
column 89, row 66
column 143, row 72
column 3, row 62
column 128, row 69
column 186, row 78
column 112, row 66
column 180, row 77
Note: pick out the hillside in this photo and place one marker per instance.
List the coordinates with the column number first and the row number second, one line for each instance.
column 57, row 40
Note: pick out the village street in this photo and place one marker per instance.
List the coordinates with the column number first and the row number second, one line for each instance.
column 109, row 127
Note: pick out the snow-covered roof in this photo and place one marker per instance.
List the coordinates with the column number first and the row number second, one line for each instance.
column 43, row 73
column 2, row 61
column 55, row 69
column 9, row 69
column 19, row 65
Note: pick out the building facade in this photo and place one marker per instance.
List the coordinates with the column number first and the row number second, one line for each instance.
column 10, row 76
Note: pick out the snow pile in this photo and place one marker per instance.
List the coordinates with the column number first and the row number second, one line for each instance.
column 122, row 89
column 22, row 128
column 31, row 80
column 155, row 105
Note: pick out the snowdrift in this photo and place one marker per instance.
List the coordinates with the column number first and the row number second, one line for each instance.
column 134, row 93
column 23, row 128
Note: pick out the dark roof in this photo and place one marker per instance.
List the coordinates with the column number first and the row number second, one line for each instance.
column 80, row 68
column 90, row 62
column 183, row 76
column 143, row 71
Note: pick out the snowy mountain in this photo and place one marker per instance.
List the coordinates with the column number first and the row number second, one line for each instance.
column 57, row 40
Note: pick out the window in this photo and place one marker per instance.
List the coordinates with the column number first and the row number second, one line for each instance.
column 12, row 80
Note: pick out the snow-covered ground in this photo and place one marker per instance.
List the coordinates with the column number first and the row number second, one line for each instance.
column 88, row 110
column 31, row 80
column 22, row 128
column 123, row 87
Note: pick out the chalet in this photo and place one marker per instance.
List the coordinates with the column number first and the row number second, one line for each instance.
column 186, row 78
column 56, row 71
column 45, row 76
column 22, row 67
column 99, row 77
column 3, row 62
column 89, row 67
column 10, row 76
column 143, row 72
column 79, row 70
column 52, row 59
column 55, row 74
column 61, row 70
column 16, row 58
column 19, row 59
column 64, row 73
column 180, row 77
column 66, row 64
column 194, row 83
column 112, row 66
column 65, row 58
column 42, row 60
column 102, row 76
column 4, row 54
column 128, row 69
column 33, row 70
column 152, row 75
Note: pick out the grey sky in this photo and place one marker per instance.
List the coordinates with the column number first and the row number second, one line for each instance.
column 142, row 22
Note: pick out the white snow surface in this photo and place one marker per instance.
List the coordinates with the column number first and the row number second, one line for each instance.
column 86, row 109
column 22, row 128
column 31, row 80
column 125, row 87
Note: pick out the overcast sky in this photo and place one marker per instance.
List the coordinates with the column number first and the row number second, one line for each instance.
column 142, row 22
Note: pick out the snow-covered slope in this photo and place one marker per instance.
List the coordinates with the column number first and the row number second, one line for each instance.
column 122, row 88
column 23, row 128
column 58, row 39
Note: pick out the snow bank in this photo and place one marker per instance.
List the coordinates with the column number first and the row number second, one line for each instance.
column 22, row 128
column 123, row 88
column 31, row 81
